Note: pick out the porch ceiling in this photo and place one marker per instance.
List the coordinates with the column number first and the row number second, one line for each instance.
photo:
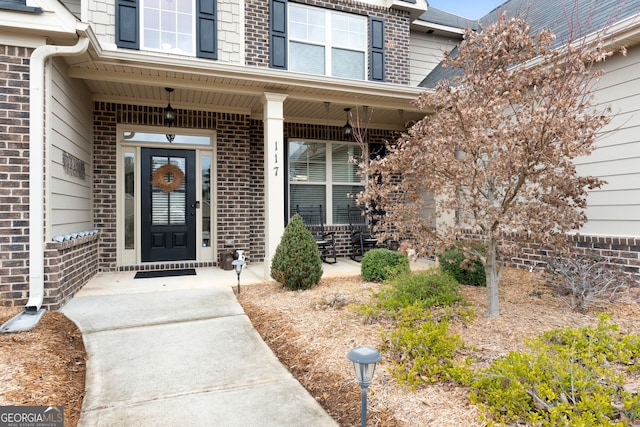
column 140, row 78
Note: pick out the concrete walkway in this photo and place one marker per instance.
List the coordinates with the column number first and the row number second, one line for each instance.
column 180, row 351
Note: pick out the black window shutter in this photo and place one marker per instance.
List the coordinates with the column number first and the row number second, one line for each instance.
column 206, row 29
column 127, row 24
column 376, row 49
column 278, row 34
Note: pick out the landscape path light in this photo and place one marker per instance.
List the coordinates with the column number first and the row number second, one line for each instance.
column 238, row 264
column 364, row 361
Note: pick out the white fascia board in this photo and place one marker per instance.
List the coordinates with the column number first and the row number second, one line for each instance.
column 160, row 61
column 431, row 26
column 55, row 22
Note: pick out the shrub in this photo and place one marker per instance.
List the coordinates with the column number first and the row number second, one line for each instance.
column 584, row 281
column 431, row 288
column 567, row 378
column 379, row 264
column 465, row 269
column 422, row 350
column 296, row 262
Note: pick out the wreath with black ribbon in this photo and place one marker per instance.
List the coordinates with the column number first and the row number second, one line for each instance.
column 167, row 178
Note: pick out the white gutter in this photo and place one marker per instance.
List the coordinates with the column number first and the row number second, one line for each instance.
column 37, row 94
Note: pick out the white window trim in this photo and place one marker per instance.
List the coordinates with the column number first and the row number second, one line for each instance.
column 327, row 45
column 176, row 51
column 328, row 183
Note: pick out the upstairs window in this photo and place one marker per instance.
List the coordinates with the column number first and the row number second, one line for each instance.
column 168, row 26
column 174, row 26
column 326, row 42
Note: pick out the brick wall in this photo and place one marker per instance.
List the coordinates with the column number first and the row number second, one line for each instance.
column 14, row 175
column 622, row 252
column 397, row 28
column 240, row 190
column 256, row 170
column 68, row 266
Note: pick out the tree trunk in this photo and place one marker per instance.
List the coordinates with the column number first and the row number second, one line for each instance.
column 492, row 272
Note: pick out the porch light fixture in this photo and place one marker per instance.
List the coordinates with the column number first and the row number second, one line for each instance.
column 347, row 128
column 364, row 361
column 169, row 114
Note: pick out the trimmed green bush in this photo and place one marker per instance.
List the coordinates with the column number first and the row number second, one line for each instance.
column 568, row 378
column 422, row 350
column 467, row 271
column 380, row 264
column 296, row 263
column 430, row 288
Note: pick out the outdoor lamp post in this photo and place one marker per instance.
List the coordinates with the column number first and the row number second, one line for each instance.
column 364, row 361
column 237, row 266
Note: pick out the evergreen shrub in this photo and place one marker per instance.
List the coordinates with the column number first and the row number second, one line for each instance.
column 466, row 270
column 380, row 264
column 296, row 263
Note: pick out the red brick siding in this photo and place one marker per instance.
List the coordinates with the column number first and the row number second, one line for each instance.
column 397, row 28
column 14, row 175
column 68, row 266
column 237, row 195
column 623, row 252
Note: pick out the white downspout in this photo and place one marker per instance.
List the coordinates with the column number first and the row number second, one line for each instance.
column 39, row 58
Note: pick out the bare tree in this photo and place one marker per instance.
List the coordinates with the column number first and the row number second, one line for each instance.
column 498, row 151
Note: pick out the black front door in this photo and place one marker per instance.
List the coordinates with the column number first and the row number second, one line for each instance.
column 168, row 205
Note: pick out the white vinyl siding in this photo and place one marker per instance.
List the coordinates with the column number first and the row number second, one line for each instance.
column 425, row 52
column 69, row 194
column 614, row 210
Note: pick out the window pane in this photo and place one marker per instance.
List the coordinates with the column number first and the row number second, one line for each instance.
column 206, row 201
column 306, row 24
column 152, row 39
column 168, row 25
column 306, row 58
column 306, row 195
column 307, row 161
column 344, row 170
column 129, row 201
column 343, row 196
column 347, row 63
column 168, row 21
column 152, row 19
column 168, row 208
column 348, row 31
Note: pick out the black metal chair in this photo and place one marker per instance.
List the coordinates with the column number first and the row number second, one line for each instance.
column 362, row 238
column 326, row 240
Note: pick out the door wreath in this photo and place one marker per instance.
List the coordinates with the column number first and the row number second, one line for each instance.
column 167, row 178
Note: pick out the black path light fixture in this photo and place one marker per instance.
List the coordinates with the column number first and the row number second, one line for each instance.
column 347, row 128
column 169, row 114
column 364, row 361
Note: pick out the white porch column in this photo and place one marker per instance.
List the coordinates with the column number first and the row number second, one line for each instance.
column 274, row 174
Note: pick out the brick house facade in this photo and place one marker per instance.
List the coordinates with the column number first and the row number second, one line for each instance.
column 96, row 92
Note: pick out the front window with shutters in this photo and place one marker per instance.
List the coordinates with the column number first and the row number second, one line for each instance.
column 327, row 42
column 167, row 26
column 324, row 173
column 183, row 27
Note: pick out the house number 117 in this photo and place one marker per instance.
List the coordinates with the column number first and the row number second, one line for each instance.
column 276, row 167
